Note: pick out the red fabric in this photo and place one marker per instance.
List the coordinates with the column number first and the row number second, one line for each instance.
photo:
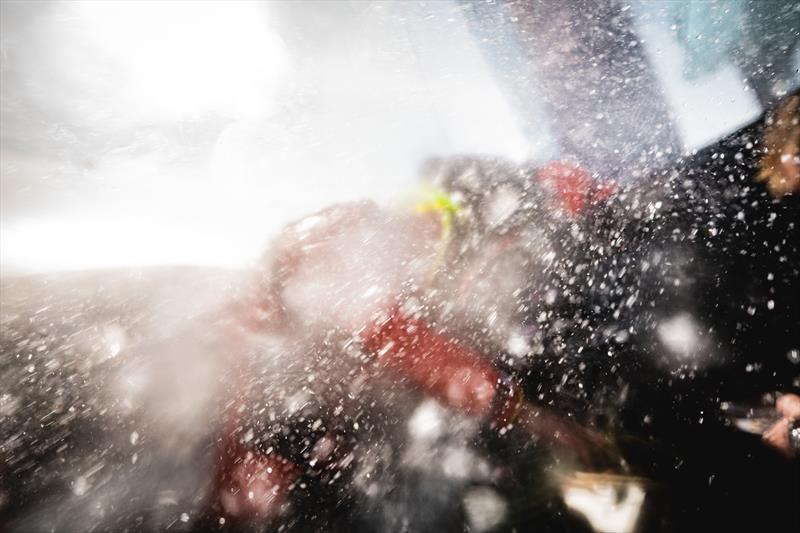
column 248, row 483
column 575, row 186
column 445, row 370
column 253, row 484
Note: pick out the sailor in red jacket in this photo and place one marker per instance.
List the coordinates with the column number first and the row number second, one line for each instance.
column 356, row 309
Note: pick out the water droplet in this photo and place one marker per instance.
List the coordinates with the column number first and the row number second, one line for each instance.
column 80, row 486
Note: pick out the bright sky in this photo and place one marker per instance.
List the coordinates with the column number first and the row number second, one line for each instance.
column 189, row 132
column 137, row 133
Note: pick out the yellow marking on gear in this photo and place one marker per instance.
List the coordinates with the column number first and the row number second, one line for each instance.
column 435, row 200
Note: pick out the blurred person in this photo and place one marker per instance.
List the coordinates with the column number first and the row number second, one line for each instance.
column 359, row 313
column 714, row 248
column 780, row 170
column 513, row 284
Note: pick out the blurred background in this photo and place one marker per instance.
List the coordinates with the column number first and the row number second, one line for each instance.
column 187, row 133
column 140, row 133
